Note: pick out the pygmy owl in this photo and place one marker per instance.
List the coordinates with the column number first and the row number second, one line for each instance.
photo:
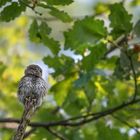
column 31, row 90
column 32, row 86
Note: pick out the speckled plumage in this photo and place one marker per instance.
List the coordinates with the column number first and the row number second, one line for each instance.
column 32, row 85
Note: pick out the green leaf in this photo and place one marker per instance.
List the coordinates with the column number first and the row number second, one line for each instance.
column 82, row 81
column 41, row 134
column 85, row 33
column 44, row 28
column 135, row 3
column 59, row 2
column 46, row 114
column 120, row 20
column 101, row 8
column 88, row 131
column 73, row 134
column 52, row 44
column 2, row 68
column 62, row 65
column 106, row 133
column 39, row 33
column 136, row 29
column 75, row 102
column 63, row 16
column 123, row 67
column 89, row 89
column 3, row 2
column 12, row 11
column 124, row 61
column 94, row 57
column 34, row 32
column 6, row 134
column 61, row 89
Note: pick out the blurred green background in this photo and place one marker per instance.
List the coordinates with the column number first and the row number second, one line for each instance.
column 18, row 48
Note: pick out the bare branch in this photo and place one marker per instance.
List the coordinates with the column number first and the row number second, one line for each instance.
column 115, row 44
column 31, row 7
column 54, row 19
column 27, row 134
column 134, row 77
column 78, row 120
column 56, row 134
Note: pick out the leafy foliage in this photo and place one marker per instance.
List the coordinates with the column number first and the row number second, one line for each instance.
column 85, row 93
column 120, row 20
column 9, row 13
column 39, row 33
column 63, row 16
column 94, row 57
column 84, row 33
column 3, row 2
column 60, row 14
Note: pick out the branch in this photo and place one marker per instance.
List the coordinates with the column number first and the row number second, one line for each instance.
column 56, row 134
column 75, row 121
column 115, row 44
column 126, row 123
column 134, row 77
column 31, row 7
column 54, row 19
column 27, row 134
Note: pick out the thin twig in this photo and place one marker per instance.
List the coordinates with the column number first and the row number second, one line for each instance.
column 56, row 134
column 126, row 123
column 134, row 77
column 115, row 44
column 27, row 134
column 31, row 7
column 54, row 19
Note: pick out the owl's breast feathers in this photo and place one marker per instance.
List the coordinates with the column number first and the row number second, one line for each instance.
column 33, row 87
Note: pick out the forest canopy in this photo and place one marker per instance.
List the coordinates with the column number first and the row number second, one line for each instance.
column 94, row 59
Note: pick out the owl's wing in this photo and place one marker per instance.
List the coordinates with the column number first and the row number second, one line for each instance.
column 24, row 88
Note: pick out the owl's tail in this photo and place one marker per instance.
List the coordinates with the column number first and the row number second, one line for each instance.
column 27, row 114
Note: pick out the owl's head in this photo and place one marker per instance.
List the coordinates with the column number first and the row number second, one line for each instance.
column 33, row 70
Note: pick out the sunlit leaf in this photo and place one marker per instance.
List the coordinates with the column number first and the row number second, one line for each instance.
column 120, row 20
column 135, row 2
column 90, row 89
column 63, row 16
column 60, row 15
column 59, row 2
column 101, row 7
column 84, row 33
column 75, row 102
column 61, row 89
column 2, row 68
column 8, row 13
column 61, row 65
